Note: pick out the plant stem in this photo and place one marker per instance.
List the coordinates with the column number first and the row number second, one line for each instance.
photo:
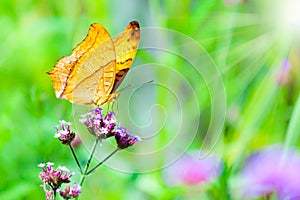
column 75, row 157
column 292, row 135
column 83, row 175
column 105, row 159
column 54, row 194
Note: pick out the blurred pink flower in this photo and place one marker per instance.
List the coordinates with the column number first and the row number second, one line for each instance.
column 272, row 170
column 282, row 75
column 233, row 113
column 232, row 2
column 191, row 170
column 76, row 142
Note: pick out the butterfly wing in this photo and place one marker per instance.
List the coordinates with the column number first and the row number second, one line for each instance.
column 126, row 45
column 89, row 71
column 96, row 67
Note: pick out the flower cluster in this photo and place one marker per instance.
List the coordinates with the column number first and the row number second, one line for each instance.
column 52, row 177
column 65, row 135
column 123, row 138
column 106, row 126
column 98, row 125
column 55, row 178
column 70, row 191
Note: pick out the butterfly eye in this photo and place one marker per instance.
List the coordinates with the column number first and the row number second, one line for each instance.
column 70, row 69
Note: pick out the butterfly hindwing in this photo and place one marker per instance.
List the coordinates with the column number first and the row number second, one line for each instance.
column 126, row 45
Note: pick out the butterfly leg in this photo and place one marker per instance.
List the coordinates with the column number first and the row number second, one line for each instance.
column 113, row 97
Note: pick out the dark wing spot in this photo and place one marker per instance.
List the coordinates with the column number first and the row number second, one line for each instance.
column 135, row 25
column 129, row 59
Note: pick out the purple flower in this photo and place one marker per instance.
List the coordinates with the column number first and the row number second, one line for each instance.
column 65, row 135
column 70, row 191
column 191, row 170
column 54, row 178
column 273, row 170
column 123, row 138
column 98, row 125
column 104, row 127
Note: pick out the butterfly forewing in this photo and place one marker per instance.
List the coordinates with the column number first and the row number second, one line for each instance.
column 96, row 73
column 126, row 45
column 61, row 73
column 78, row 77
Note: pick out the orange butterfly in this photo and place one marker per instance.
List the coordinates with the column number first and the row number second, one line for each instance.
column 96, row 67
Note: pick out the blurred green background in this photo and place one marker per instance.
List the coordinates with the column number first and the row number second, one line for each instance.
column 247, row 40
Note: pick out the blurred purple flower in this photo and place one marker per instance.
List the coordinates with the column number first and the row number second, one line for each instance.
column 64, row 134
column 273, row 170
column 70, row 192
column 282, row 75
column 191, row 170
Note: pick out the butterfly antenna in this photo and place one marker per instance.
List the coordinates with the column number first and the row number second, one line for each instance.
column 115, row 105
column 134, row 86
column 108, row 107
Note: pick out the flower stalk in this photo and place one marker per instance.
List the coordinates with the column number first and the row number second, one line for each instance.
column 105, row 159
column 76, row 159
column 101, row 127
column 84, row 174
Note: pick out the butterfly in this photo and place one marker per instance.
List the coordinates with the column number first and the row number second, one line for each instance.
column 96, row 66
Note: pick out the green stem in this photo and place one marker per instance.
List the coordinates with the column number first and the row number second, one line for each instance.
column 293, row 131
column 105, row 159
column 83, row 175
column 75, row 157
column 54, row 194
